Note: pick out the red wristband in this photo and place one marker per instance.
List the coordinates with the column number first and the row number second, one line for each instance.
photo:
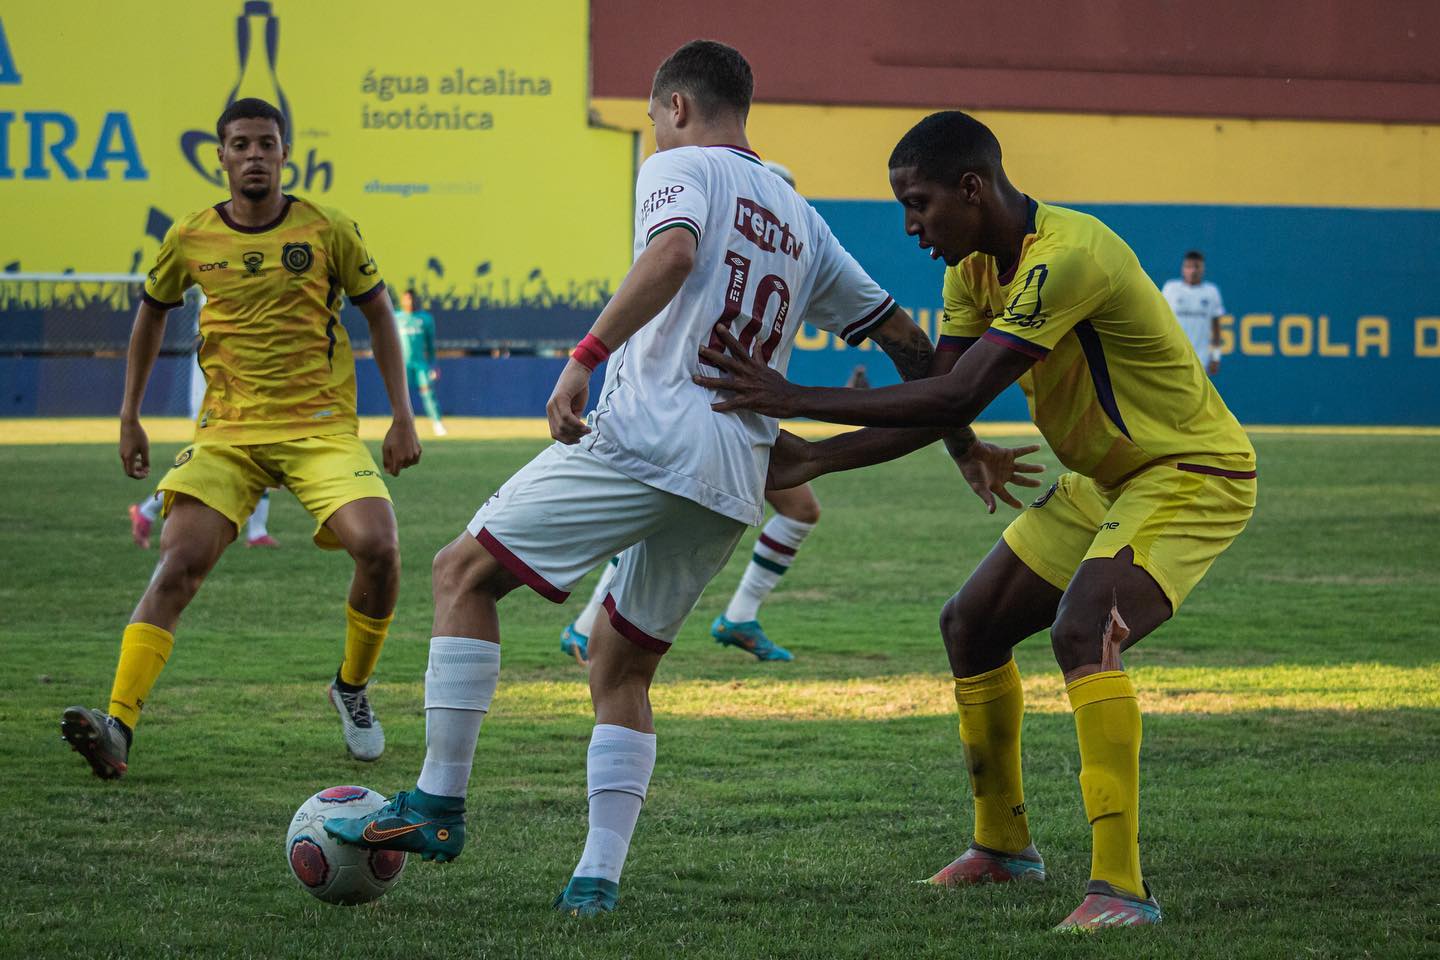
column 590, row 352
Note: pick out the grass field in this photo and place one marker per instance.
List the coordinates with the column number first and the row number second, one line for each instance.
column 1291, row 759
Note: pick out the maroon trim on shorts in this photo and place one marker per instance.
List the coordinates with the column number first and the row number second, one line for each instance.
column 777, row 546
column 157, row 303
column 1217, row 471
column 631, row 632
column 520, row 568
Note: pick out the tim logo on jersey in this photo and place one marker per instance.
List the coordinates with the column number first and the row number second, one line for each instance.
column 257, row 38
column 764, row 229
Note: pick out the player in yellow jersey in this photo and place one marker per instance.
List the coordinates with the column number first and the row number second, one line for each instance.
column 279, row 408
column 1162, row 480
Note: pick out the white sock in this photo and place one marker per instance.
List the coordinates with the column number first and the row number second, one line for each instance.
column 255, row 526
column 150, row 506
column 618, row 770
column 774, row 552
column 585, row 623
column 459, row 683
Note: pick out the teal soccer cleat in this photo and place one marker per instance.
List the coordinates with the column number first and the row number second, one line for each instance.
column 748, row 637
column 588, row 897
column 575, row 643
column 413, row 821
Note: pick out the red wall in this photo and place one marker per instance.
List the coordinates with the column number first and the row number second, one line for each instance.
column 1376, row 60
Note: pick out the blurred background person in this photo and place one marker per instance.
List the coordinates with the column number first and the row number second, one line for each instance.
column 1197, row 305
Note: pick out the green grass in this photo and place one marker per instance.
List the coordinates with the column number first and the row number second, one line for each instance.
column 1291, row 759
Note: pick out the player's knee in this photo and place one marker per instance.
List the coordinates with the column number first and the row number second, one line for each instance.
column 1075, row 643
column 181, row 572
column 378, row 552
column 956, row 626
column 455, row 572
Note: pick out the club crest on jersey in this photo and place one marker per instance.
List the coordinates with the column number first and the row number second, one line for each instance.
column 184, row 456
column 297, row 257
column 764, row 229
column 252, row 260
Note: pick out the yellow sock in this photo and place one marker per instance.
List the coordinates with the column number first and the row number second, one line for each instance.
column 364, row 636
column 1107, row 723
column 991, row 705
column 143, row 651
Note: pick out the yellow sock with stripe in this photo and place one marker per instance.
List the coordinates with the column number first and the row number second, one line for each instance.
column 1107, row 724
column 364, row 636
column 144, row 648
column 991, row 706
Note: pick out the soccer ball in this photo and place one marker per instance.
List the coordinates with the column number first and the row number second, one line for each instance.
column 335, row 872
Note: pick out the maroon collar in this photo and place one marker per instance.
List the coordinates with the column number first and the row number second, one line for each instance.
column 241, row 228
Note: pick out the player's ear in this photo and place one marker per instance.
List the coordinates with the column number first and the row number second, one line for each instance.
column 680, row 108
column 971, row 187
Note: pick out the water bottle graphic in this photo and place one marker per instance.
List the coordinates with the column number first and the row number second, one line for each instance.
column 257, row 72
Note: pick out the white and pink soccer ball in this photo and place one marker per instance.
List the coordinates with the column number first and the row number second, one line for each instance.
column 335, row 872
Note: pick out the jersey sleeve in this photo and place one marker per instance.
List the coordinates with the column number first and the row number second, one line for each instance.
column 670, row 195
column 1219, row 308
column 168, row 279
column 962, row 323
column 1047, row 299
column 846, row 302
column 351, row 262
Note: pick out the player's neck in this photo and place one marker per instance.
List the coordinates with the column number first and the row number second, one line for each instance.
column 717, row 135
column 255, row 213
column 1012, row 225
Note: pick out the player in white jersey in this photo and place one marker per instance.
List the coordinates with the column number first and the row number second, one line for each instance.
column 1198, row 306
column 655, row 474
column 797, row 511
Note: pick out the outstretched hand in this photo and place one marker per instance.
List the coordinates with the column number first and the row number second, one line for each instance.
column 753, row 384
column 988, row 468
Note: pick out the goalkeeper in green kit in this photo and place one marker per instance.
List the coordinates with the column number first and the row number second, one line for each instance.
column 417, row 343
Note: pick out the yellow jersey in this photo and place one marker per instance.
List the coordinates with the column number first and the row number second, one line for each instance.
column 1116, row 387
column 276, row 357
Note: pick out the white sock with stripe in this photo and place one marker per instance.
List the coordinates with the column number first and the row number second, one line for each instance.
column 585, row 623
column 618, row 769
column 459, row 683
column 774, row 552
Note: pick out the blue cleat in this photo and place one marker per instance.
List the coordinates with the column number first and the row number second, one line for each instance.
column 748, row 637
column 575, row 643
column 413, row 821
column 588, row 897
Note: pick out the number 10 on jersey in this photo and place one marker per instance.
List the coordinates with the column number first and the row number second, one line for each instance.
column 770, row 287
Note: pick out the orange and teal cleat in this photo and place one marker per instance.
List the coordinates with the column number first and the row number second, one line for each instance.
column 1105, row 907
column 413, row 821
column 983, row 865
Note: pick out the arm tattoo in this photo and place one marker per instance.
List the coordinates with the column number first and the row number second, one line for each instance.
column 959, row 442
column 911, row 354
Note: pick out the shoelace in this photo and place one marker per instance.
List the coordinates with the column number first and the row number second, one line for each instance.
column 358, row 706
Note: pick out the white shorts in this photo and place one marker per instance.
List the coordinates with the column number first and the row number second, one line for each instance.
column 566, row 511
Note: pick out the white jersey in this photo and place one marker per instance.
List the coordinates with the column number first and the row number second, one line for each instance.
column 765, row 261
column 1195, row 306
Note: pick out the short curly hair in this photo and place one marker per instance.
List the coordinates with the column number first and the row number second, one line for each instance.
column 946, row 145
column 713, row 74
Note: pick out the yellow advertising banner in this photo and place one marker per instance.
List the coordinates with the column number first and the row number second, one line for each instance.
column 456, row 133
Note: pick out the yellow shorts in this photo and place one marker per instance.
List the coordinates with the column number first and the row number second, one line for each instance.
column 1176, row 521
column 324, row 473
